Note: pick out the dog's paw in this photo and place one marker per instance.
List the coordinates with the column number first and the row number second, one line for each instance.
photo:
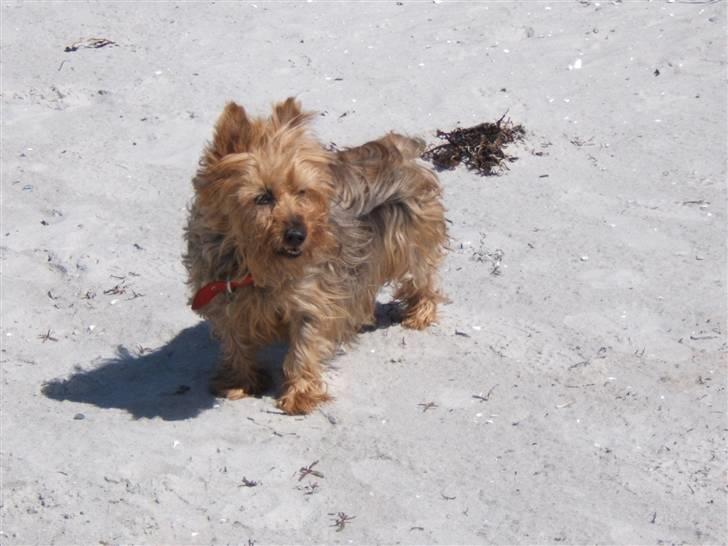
column 231, row 386
column 230, row 394
column 297, row 401
column 420, row 316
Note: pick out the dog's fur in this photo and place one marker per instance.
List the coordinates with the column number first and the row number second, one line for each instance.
column 370, row 216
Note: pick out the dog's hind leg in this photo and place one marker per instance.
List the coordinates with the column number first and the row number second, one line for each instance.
column 419, row 297
column 419, row 258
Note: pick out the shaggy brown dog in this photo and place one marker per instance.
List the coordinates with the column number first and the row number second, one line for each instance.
column 308, row 237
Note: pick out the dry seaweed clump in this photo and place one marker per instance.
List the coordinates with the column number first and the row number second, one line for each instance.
column 480, row 148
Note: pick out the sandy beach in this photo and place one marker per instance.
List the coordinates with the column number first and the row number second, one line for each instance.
column 574, row 389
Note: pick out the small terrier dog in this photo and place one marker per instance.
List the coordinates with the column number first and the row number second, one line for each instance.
column 302, row 238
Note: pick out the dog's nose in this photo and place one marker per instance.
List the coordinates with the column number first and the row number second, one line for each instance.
column 295, row 235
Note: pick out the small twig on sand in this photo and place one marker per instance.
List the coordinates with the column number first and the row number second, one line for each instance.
column 48, row 336
column 427, row 405
column 274, row 431
column 340, row 521
column 89, row 43
column 309, row 471
column 119, row 288
column 487, row 396
column 249, row 483
column 135, row 294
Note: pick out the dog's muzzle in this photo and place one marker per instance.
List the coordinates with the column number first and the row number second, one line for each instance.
column 295, row 236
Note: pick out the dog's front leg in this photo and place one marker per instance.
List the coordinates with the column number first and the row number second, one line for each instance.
column 237, row 375
column 303, row 388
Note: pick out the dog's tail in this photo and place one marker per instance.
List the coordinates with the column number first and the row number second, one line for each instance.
column 391, row 147
column 375, row 174
column 410, row 148
column 381, row 184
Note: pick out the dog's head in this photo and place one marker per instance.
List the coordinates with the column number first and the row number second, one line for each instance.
column 267, row 183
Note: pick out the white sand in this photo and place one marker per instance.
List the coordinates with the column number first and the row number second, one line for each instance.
column 602, row 343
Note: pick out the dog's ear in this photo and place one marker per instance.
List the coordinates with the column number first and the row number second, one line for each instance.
column 289, row 113
column 232, row 132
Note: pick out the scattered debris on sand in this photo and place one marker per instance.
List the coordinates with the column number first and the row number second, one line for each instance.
column 480, row 148
column 340, row 520
column 249, row 483
column 89, row 43
column 309, row 471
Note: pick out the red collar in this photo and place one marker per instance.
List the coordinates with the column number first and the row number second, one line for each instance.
column 205, row 294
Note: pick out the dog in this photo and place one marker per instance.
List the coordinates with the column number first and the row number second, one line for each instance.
column 288, row 240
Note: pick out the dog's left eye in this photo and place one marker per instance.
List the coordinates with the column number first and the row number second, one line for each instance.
column 264, row 198
column 301, row 193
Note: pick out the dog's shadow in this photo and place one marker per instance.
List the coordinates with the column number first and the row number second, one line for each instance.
column 385, row 315
column 170, row 382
